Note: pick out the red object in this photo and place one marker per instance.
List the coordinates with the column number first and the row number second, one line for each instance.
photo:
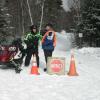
column 56, row 65
column 34, row 69
column 72, row 70
column 5, row 54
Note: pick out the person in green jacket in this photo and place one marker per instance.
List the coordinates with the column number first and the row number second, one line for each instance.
column 32, row 41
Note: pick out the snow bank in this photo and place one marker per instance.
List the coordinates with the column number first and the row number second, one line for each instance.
column 86, row 86
column 91, row 51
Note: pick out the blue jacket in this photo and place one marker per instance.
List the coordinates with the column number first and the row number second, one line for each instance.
column 48, row 41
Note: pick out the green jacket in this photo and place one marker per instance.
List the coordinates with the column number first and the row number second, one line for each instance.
column 32, row 40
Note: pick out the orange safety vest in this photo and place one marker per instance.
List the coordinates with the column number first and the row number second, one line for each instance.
column 54, row 38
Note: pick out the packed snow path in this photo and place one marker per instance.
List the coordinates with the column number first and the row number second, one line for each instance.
column 86, row 86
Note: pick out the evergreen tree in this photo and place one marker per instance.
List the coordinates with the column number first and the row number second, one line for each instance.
column 52, row 12
column 90, row 22
column 5, row 28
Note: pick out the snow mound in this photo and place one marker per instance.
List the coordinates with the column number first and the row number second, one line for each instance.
column 64, row 41
column 91, row 51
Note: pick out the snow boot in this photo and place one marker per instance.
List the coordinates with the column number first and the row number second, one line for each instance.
column 18, row 69
column 45, row 69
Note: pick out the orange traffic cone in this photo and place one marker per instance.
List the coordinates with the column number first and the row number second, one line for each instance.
column 72, row 70
column 34, row 69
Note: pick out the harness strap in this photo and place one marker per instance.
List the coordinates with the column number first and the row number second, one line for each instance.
column 54, row 39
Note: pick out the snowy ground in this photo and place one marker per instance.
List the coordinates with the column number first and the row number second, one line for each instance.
column 86, row 86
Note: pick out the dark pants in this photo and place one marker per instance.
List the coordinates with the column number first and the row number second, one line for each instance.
column 47, row 53
column 29, row 54
column 23, row 52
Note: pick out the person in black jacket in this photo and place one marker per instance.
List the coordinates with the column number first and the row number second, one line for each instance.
column 32, row 41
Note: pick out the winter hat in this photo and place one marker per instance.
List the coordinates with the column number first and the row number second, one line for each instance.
column 33, row 27
column 50, row 25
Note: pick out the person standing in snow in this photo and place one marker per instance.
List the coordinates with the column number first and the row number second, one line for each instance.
column 32, row 41
column 48, row 42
